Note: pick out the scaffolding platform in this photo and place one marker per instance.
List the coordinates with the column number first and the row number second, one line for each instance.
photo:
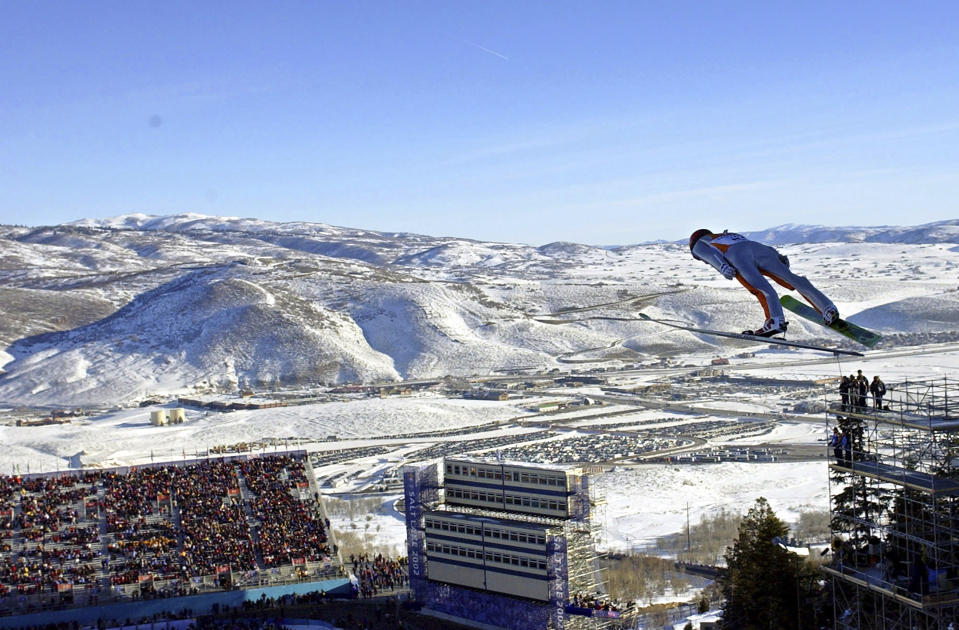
column 913, row 479
column 894, row 507
column 899, row 417
column 872, row 581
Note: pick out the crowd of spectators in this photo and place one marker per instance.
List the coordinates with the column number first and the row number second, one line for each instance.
column 594, row 602
column 289, row 530
column 857, row 393
column 377, row 575
column 169, row 524
column 137, row 510
column 216, row 537
column 56, row 546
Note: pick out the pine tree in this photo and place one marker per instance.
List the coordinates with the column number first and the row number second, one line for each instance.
column 765, row 585
column 703, row 606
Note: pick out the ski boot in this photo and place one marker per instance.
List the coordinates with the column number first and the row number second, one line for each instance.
column 771, row 328
column 829, row 315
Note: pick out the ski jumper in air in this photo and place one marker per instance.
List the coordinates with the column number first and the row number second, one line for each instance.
column 735, row 256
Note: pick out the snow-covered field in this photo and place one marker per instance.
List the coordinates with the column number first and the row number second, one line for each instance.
column 646, row 502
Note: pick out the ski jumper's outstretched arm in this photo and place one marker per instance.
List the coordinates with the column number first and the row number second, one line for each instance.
column 705, row 251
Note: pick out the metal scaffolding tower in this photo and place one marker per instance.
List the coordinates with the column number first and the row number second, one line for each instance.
column 894, row 502
column 585, row 564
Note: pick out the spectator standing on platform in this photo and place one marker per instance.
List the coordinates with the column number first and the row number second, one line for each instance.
column 846, row 442
column 919, row 577
column 844, row 387
column 878, row 389
column 862, row 390
column 836, row 443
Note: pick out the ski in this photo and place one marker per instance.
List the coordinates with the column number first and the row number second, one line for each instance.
column 770, row 340
column 841, row 326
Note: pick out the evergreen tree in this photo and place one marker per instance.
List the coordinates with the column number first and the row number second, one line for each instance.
column 703, row 606
column 765, row 585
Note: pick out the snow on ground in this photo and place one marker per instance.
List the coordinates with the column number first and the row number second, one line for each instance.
column 127, row 437
column 384, row 528
column 646, row 502
column 789, row 433
column 740, row 406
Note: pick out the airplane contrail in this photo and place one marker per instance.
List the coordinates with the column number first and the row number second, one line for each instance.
column 485, row 49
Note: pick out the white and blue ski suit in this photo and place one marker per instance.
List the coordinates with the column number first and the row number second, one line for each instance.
column 752, row 263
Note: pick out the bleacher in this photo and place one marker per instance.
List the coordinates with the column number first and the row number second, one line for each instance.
column 92, row 537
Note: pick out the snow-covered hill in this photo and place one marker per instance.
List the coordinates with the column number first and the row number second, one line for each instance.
column 938, row 232
column 118, row 310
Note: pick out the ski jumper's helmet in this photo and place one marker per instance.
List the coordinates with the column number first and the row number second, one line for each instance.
column 695, row 236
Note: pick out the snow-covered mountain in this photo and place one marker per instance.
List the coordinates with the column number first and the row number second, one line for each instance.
column 938, row 232
column 117, row 310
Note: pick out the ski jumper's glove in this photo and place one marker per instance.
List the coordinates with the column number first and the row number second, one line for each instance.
column 710, row 255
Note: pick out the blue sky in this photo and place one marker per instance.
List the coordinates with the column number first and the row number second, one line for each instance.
column 594, row 122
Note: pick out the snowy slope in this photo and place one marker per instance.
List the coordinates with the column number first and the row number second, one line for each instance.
column 115, row 311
